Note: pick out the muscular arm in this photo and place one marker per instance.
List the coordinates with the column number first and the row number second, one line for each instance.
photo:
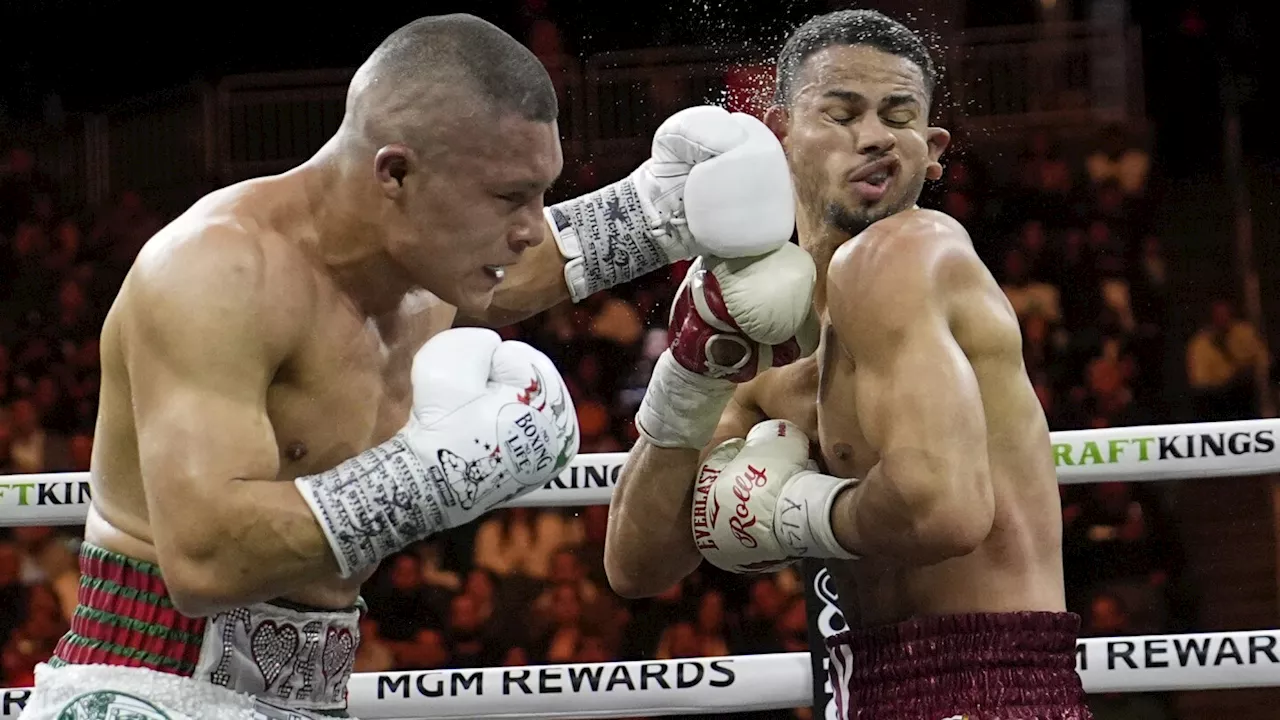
column 930, row 496
column 650, row 546
column 207, row 332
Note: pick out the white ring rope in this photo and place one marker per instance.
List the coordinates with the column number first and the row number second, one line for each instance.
column 1143, row 453
column 700, row 686
column 743, row 683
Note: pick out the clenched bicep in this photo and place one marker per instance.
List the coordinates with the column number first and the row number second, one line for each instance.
column 918, row 401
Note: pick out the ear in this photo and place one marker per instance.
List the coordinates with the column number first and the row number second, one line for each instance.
column 778, row 120
column 392, row 165
column 938, row 140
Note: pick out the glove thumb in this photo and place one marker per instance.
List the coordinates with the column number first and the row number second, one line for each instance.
column 721, row 455
column 452, row 368
column 782, row 440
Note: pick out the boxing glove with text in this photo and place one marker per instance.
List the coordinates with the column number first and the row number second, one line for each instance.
column 732, row 318
column 717, row 183
column 760, row 504
column 491, row 420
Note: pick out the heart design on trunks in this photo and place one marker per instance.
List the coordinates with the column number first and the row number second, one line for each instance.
column 339, row 651
column 273, row 647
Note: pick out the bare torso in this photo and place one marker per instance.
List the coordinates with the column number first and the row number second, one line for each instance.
column 1019, row 565
column 344, row 389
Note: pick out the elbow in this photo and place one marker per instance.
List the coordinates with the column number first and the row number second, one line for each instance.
column 631, row 580
column 954, row 524
column 198, row 591
column 198, row 583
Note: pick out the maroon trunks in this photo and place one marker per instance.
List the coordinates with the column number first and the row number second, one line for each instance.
column 994, row 666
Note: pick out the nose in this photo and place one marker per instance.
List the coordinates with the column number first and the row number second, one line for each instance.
column 530, row 229
column 872, row 137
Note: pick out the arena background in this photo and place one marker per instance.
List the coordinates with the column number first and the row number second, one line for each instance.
column 1114, row 163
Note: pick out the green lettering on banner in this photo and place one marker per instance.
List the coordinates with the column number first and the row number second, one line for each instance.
column 1091, row 454
column 1143, row 442
column 1062, row 454
column 22, row 489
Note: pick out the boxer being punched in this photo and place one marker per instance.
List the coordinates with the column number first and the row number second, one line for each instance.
column 272, row 424
column 934, row 495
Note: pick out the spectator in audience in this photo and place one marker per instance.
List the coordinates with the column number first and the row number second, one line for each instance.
column 1224, row 359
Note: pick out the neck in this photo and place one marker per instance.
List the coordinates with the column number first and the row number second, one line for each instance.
column 348, row 242
column 820, row 240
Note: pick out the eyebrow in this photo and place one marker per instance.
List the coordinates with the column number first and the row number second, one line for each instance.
column 896, row 99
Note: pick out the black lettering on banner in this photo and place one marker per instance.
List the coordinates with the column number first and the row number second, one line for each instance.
column 45, row 496
column 1257, row 640
column 1238, row 448
column 591, row 673
column 545, row 675
column 390, row 685
column 1265, row 442
column 463, row 681
column 1199, row 646
column 654, row 671
column 681, row 682
column 1152, row 648
column 1211, row 444
column 434, row 689
column 1228, row 649
column 724, row 669
column 509, row 677
column 1169, row 447
column 619, row 676
column 1120, row 649
column 15, row 701
column 84, row 495
column 1082, row 657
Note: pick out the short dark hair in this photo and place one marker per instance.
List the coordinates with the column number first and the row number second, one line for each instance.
column 458, row 56
column 850, row 27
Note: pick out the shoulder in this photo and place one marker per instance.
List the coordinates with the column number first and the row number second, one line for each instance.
column 906, row 262
column 201, row 272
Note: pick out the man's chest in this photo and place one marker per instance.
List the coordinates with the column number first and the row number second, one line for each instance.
column 348, row 388
column 819, row 394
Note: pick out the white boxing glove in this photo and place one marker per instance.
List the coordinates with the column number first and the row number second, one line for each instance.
column 717, row 184
column 760, row 503
column 491, row 420
column 732, row 319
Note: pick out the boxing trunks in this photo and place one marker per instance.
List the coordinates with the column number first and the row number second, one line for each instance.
column 129, row 653
column 998, row 666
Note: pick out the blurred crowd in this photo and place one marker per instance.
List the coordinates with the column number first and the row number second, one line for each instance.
column 1069, row 237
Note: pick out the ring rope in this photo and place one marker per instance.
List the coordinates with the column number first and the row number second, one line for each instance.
column 746, row 683
column 1150, row 663
column 1132, row 454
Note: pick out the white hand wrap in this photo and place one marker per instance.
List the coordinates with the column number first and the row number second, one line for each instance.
column 681, row 408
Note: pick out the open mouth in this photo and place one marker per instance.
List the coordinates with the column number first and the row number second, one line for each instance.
column 872, row 180
column 495, row 272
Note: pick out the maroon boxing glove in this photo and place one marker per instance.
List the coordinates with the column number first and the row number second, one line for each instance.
column 731, row 320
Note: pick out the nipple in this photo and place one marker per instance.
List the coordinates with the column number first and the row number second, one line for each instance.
column 296, row 451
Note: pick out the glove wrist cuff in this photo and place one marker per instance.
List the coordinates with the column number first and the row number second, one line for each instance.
column 606, row 239
column 373, row 505
column 681, row 408
column 802, row 522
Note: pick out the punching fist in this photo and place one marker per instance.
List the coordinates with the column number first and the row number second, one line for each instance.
column 491, row 420
column 719, row 182
column 760, row 503
column 731, row 320
column 735, row 318
column 716, row 184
